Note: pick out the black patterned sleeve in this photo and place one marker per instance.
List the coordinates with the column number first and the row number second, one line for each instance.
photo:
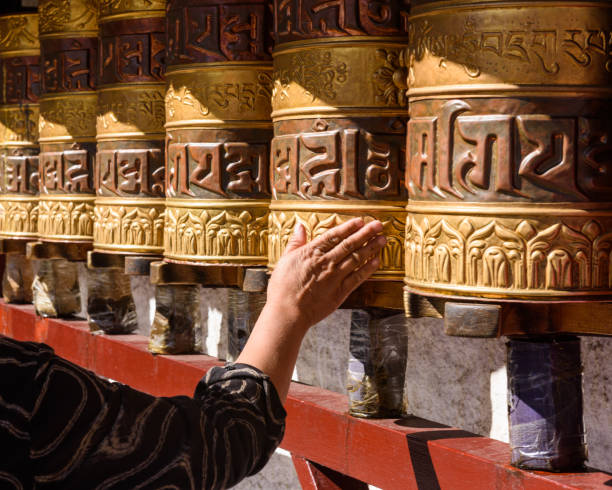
column 69, row 429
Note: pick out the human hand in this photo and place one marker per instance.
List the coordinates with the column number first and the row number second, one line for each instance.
column 311, row 280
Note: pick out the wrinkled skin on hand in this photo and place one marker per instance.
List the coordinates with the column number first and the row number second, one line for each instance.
column 311, row 280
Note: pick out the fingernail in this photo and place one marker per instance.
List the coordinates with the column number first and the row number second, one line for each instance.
column 297, row 228
column 381, row 240
column 375, row 262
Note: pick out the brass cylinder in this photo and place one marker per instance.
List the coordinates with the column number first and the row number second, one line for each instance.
column 339, row 112
column 68, row 39
column 218, row 131
column 129, row 171
column 509, row 164
column 20, row 65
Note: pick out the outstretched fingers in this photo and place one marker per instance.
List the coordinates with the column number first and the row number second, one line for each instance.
column 298, row 238
column 357, row 277
column 355, row 241
column 328, row 240
column 357, row 258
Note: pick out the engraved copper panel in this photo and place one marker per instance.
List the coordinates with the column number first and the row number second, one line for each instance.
column 129, row 171
column 67, row 127
column 218, row 131
column 339, row 112
column 20, row 84
column 509, row 162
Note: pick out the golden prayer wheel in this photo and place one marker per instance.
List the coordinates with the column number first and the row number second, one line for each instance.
column 19, row 59
column 218, row 131
column 68, row 39
column 509, row 163
column 129, row 171
column 339, row 112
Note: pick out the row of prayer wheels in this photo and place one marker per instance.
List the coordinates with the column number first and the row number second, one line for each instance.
column 506, row 160
column 477, row 131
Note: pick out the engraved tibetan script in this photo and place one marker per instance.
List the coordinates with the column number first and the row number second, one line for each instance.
column 20, row 174
column 22, row 79
column 196, row 169
column 230, row 32
column 65, row 171
column 549, row 49
column 495, row 156
column 304, row 19
column 132, row 58
column 69, row 68
column 338, row 164
column 130, row 172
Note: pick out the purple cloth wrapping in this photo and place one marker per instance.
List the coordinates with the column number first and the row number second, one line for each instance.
column 545, row 404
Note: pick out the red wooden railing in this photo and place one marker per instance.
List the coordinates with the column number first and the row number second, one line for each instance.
column 330, row 449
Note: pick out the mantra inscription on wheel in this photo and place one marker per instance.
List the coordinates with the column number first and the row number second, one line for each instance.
column 20, row 80
column 339, row 110
column 218, row 132
column 129, row 171
column 68, row 108
column 508, row 151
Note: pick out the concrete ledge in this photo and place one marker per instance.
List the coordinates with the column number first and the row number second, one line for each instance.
column 409, row 453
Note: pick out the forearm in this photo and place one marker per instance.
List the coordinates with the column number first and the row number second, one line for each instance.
column 273, row 347
column 308, row 283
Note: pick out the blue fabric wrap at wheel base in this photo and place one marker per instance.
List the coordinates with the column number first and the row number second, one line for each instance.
column 545, row 404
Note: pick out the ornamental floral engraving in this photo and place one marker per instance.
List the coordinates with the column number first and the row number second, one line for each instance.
column 65, row 218
column 391, row 79
column 109, row 7
column 182, row 97
column 520, row 255
column 18, row 218
column 282, row 224
column 135, row 226
column 54, row 14
column 234, row 234
column 59, row 15
column 316, row 71
column 18, row 32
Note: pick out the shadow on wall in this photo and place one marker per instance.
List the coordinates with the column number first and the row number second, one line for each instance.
column 457, row 381
column 324, row 355
column 462, row 383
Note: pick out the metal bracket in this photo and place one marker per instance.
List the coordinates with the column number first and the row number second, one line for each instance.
column 72, row 251
column 251, row 279
column 376, row 294
column 13, row 246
